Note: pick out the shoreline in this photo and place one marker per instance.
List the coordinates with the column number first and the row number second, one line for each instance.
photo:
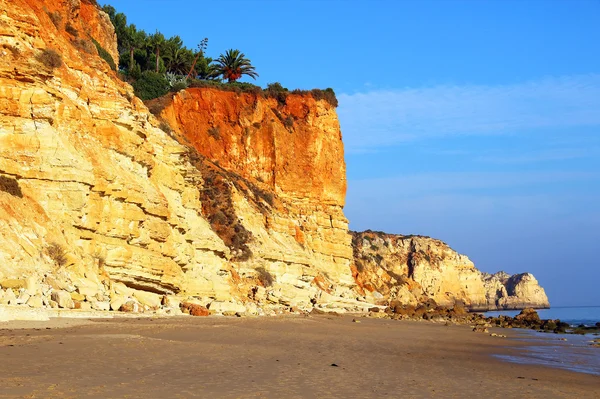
column 290, row 356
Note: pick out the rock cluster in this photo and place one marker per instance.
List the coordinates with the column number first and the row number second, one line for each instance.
column 413, row 269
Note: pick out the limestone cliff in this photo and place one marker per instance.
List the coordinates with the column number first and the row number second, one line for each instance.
column 94, row 191
column 224, row 200
column 413, row 269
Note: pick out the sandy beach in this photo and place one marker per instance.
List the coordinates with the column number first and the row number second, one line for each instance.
column 289, row 357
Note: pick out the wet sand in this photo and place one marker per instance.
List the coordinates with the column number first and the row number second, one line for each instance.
column 291, row 357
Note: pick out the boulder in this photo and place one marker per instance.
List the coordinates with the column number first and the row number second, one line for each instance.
column 149, row 299
column 76, row 296
column 129, row 307
column 117, row 301
column 194, row 309
column 528, row 315
column 63, row 299
column 87, row 287
column 169, row 301
column 14, row 284
column 35, row 301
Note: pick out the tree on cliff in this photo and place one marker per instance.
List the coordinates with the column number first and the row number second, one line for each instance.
column 133, row 39
column 233, row 65
column 156, row 42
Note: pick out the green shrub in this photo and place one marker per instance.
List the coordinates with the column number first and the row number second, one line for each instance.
column 105, row 55
column 50, row 58
column 179, row 86
column 327, row 95
column 276, row 91
column 151, row 85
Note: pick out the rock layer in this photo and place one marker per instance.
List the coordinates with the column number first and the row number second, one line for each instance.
column 414, row 269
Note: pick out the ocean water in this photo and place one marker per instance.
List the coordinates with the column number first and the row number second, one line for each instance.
column 549, row 349
column 587, row 315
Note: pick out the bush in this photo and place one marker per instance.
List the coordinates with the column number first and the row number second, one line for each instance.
column 179, row 86
column 327, row 95
column 56, row 19
column 84, row 45
column 71, row 30
column 151, row 85
column 57, row 253
column 214, row 132
column 105, row 55
column 288, row 122
column 265, row 278
column 165, row 127
column 276, row 91
column 50, row 58
column 11, row 186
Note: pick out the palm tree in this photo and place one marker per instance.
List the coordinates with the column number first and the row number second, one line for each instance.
column 233, row 65
column 156, row 42
column 133, row 39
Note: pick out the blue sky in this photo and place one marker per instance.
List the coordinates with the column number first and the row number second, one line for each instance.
column 476, row 122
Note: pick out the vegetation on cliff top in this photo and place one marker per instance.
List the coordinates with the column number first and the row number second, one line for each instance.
column 155, row 65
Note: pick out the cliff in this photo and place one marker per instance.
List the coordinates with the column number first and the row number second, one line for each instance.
column 413, row 269
column 230, row 201
column 94, row 192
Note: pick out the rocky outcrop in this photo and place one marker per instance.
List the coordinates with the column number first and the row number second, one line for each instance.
column 286, row 158
column 414, row 269
column 514, row 292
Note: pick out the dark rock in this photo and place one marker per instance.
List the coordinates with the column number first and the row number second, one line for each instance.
column 194, row 309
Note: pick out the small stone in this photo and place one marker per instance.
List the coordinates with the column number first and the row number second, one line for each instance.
column 77, row 296
column 355, row 321
column 97, row 305
column 63, row 299
column 35, row 301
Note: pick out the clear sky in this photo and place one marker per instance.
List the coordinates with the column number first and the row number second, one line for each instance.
column 476, row 122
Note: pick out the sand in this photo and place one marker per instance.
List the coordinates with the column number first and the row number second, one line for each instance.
column 291, row 357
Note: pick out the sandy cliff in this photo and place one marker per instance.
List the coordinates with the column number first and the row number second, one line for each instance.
column 225, row 200
column 413, row 269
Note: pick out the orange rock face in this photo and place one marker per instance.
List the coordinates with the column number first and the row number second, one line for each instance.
column 295, row 149
column 292, row 150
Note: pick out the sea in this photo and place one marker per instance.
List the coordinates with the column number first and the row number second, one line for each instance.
column 549, row 349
